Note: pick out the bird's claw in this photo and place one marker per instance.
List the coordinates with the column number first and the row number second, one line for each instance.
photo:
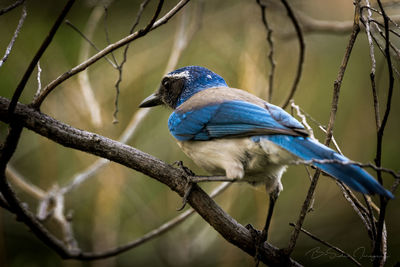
column 187, row 171
column 259, row 238
column 189, row 184
column 188, row 189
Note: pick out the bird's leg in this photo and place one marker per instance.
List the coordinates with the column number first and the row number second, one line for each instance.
column 193, row 179
column 273, row 196
column 261, row 236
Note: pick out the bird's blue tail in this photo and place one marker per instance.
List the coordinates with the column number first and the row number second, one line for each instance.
column 352, row 175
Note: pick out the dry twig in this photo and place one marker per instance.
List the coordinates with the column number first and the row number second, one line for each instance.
column 15, row 35
column 300, row 63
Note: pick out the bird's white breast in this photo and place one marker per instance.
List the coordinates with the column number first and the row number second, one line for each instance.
column 253, row 161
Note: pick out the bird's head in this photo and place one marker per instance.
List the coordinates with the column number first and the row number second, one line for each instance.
column 179, row 85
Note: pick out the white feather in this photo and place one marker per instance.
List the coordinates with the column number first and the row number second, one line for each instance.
column 241, row 158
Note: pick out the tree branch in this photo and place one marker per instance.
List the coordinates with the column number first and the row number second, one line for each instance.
column 38, row 55
column 380, row 242
column 341, row 252
column 329, row 131
column 300, row 63
column 138, row 34
column 15, row 35
column 130, row 157
column 11, row 7
column 270, row 42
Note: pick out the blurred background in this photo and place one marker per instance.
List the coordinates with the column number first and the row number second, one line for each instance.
column 117, row 204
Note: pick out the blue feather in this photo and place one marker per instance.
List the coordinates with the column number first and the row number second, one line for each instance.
column 231, row 118
column 352, row 175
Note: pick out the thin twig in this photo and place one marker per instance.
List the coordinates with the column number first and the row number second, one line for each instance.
column 105, row 10
column 11, row 142
column 4, row 204
column 138, row 34
column 336, row 91
column 371, row 219
column 373, row 67
column 303, row 119
column 381, row 49
column 39, row 80
column 15, row 35
column 301, row 52
column 359, row 209
column 69, row 23
column 338, row 250
column 65, row 224
column 152, row 234
column 271, row 50
column 38, row 55
column 91, row 104
column 124, row 58
column 396, row 51
column 380, row 242
column 382, row 25
column 22, row 184
column 311, row 207
column 11, row 7
column 311, row 25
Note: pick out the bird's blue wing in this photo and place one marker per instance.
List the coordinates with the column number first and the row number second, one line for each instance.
column 231, row 119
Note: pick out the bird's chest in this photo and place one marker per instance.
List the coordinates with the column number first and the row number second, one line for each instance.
column 254, row 161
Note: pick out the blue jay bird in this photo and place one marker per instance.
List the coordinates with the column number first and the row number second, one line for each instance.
column 231, row 132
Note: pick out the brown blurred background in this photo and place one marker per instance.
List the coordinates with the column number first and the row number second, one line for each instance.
column 119, row 205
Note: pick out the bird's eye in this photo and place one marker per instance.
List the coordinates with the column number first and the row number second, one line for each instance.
column 165, row 83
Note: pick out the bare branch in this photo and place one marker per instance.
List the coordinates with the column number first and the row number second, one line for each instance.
column 301, row 52
column 90, row 28
column 25, row 186
column 152, row 234
column 4, row 204
column 50, row 87
column 271, row 49
column 92, row 105
column 303, row 119
column 39, row 80
column 130, row 157
column 360, row 210
column 336, row 91
column 380, row 242
column 11, row 142
column 11, row 7
column 105, row 11
column 373, row 66
column 310, row 25
column 124, row 57
column 341, row 252
column 38, row 55
column 16, row 33
column 65, row 224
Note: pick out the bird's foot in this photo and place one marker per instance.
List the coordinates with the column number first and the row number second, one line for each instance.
column 259, row 238
column 189, row 183
column 188, row 171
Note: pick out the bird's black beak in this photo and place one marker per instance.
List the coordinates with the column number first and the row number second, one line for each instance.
column 151, row 101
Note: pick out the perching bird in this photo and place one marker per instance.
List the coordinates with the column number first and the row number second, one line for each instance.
column 231, row 132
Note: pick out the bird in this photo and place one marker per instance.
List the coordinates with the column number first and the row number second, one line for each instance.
column 233, row 133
